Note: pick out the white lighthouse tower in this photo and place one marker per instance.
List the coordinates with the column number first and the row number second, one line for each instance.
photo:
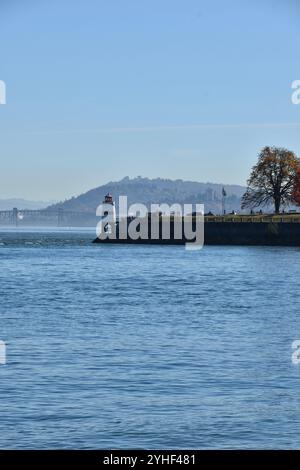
column 109, row 212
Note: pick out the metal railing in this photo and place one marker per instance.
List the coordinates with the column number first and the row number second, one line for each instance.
column 254, row 219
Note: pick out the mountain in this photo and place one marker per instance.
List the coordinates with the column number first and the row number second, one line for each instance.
column 9, row 204
column 158, row 190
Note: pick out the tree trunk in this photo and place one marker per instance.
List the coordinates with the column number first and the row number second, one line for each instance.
column 277, row 205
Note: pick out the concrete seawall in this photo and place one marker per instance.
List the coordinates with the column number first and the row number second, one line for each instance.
column 233, row 233
column 284, row 232
column 252, row 233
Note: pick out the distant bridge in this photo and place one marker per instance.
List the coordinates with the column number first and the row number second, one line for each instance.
column 14, row 216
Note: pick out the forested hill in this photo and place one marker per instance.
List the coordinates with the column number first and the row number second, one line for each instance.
column 152, row 191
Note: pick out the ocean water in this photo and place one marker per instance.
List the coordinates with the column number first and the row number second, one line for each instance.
column 147, row 346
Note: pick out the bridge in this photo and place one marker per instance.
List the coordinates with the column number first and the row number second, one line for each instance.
column 14, row 216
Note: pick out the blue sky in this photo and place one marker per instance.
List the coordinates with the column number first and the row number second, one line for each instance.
column 97, row 90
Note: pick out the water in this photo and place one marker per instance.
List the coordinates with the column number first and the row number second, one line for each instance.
column 147, row 347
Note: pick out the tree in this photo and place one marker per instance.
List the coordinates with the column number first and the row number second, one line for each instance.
column 296, row 191
column 272, row 179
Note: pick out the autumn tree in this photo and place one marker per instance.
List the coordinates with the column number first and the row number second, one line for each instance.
column 296, row 191
column 272, row 179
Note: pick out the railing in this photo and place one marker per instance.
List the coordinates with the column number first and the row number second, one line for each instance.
column 260, row 219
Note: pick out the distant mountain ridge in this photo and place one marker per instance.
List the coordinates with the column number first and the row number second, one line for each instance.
column 154, row 191
column 9, row 204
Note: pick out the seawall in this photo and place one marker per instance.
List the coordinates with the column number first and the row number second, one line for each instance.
column 233, row 233
column 252, row 233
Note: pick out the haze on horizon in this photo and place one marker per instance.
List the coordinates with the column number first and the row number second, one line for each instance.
column 183, row 90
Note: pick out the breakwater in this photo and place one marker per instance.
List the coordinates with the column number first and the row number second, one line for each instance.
column 252, row 233
column 221, row 231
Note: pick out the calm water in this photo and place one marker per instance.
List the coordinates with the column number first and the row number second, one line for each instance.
column 153, row 347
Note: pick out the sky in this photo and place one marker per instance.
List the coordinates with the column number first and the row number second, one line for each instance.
column 97, row 90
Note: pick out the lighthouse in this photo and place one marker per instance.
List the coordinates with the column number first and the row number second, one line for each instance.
column 109, row 212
